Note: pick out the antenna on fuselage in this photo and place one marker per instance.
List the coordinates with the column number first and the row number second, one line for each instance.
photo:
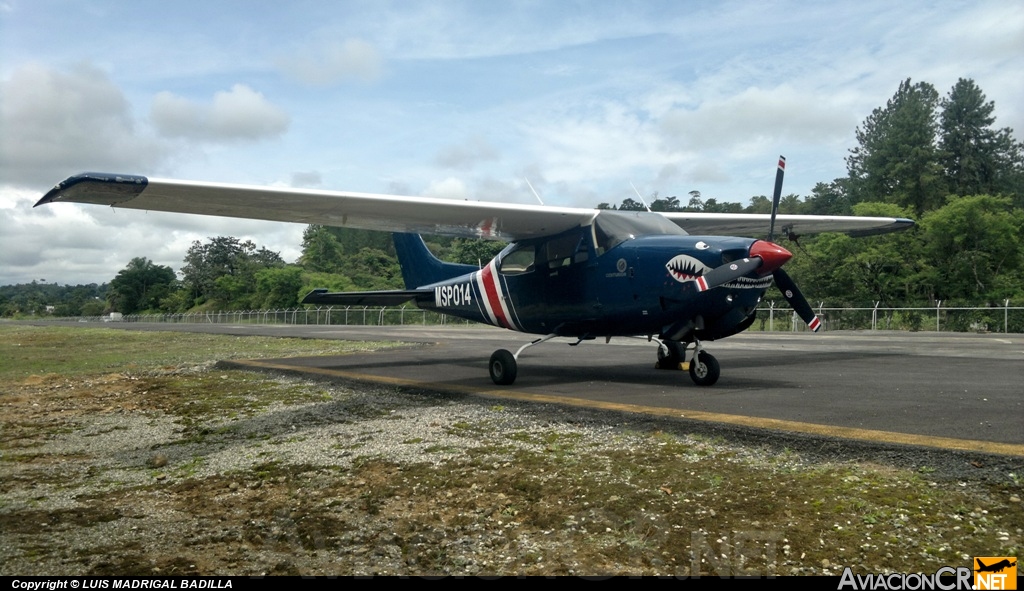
column 776, row 196
column 648, row 207
column 534, row 190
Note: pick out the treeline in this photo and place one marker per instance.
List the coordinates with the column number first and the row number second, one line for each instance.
column 939, row 160
column 39, row 297
column 225, row 273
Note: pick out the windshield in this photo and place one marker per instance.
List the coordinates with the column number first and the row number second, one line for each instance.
column 612, row 228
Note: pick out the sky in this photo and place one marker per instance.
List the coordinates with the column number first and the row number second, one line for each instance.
column 453, row 99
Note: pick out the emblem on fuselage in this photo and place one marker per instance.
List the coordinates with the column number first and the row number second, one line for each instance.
column 685, row 268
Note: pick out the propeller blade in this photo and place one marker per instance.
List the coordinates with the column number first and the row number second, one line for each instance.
column 776, row 197
column 726, row 273
column 764, row 258
column 796, row 299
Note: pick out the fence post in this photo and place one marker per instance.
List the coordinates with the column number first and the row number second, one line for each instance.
column 937, row 306
column 1006, row 317
column 874, row 316
column 771, row 316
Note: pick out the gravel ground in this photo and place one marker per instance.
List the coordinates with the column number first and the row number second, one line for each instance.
column 97, row 478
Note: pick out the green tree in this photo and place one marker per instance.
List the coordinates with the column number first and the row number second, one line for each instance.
column 474, row 252
column 630, row 204
column 897, row 159
column 713, row 206
column 759, row 204
column 975, row 245
column 224, row 271
column 861, row 271
column 140, row 286
column 666, row 204
column 828, row 199
column 321, row 250
column 978, row 159
column 278, row 287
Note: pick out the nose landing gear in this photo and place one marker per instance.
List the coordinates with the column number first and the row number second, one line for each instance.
column 703, row 367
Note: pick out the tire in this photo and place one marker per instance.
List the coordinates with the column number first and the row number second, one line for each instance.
column 503, row 367
column 672, row 359
column 704, row 369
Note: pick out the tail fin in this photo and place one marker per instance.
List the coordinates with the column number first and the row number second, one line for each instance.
column 420, row 267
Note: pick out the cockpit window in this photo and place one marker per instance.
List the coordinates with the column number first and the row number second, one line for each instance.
column 520, row 259
column 612, row 228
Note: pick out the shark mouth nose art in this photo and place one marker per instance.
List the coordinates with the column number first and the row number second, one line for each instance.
column 685, row 268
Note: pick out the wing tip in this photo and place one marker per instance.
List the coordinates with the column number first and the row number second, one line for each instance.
column 121, row 186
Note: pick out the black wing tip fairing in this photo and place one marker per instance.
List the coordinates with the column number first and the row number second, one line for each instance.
column 367, row 298
column 96, row 187
column 896, row 225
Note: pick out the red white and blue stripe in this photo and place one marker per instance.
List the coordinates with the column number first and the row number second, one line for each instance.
column 497, row 306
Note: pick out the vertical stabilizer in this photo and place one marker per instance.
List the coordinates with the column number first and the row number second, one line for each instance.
column 420, row 267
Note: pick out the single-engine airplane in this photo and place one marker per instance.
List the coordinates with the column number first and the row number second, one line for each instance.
column 567, row 272
column 995, row 567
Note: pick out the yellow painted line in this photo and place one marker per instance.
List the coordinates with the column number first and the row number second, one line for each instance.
column 991, row 447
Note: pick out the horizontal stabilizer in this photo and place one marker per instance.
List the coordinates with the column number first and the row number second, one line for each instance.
column 367, row 298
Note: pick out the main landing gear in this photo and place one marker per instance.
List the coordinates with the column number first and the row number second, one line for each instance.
column 503, row 366
column 703, row 367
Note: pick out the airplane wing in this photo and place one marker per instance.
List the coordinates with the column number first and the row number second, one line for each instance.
column 420, row 215
column 392, row 213
column 756, row 224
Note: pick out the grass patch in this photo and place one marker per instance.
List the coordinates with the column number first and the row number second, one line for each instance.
column 73, row 351
column 514, row 494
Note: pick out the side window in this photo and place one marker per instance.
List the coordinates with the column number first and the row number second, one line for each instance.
column 565, row 250
column 520, row 260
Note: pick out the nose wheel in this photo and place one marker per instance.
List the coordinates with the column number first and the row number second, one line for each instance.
column 703, row 367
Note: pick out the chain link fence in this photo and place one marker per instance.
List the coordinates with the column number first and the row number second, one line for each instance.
column 1004, row 319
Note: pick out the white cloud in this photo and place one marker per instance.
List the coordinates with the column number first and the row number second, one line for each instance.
column 449, row 188
column 758, row 116
column 60, row 122
column 78, row 244
column 332, row 62
column 238, row 114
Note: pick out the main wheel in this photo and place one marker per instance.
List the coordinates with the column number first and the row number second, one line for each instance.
column 503, row 367
column 704, row 369
column 672, row 358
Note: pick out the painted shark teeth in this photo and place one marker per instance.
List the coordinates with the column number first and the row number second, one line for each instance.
column 685, row 268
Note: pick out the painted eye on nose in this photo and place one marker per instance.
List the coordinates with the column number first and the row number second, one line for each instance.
column 702, row 245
